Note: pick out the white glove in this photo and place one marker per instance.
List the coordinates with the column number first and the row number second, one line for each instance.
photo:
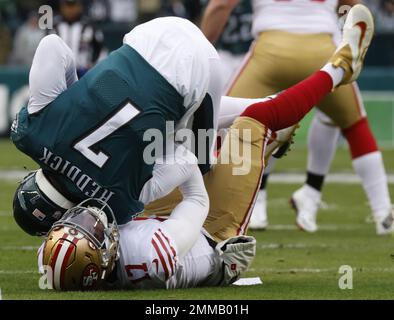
column 237, row 254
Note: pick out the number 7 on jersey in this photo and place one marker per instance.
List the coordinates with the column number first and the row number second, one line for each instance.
column 124, row 115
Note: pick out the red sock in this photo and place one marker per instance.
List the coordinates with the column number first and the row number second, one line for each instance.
column 291, row 105
column 360, row 139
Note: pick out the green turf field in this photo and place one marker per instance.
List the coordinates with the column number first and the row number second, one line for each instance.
column 292, row 264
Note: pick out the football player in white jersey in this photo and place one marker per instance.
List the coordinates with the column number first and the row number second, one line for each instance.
column 86, row 249
column 293, row 38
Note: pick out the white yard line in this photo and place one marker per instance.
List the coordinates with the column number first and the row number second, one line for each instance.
column 5, row 214
column 12, row 227
column 324, row 227
column 19, row 248
column 342, row 178
column 318, row 270
column 18, row 271
column 12, row 175
column 265, row 246
column 283, row 178
column 259, row 270
column 378, row 95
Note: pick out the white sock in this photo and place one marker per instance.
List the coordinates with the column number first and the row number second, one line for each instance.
column 322, row 143
column 335, row 73
column 311, row 192
column 371, row 170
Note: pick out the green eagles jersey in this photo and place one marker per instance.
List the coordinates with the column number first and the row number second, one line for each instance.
column 237, row 35
column 90, row 138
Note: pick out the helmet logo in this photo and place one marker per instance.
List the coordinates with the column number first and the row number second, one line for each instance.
column 91, row 245
column 39, row 215
column 35, row 199
column 90, row 276
column 57, row 215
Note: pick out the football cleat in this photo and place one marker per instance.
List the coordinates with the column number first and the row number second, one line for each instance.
column 358, row 32
column 280, row 142
column 385, row 225
column 306, row 201
column 259, row 219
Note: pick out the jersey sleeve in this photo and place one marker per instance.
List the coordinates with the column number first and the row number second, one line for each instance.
column 164, row 257
column 149, row 255
column 52, row 72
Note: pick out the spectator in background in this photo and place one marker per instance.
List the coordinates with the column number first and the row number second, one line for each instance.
column 124, row 11
column 26, row 40
column 84, row 39
column 383, row 11
column 5, row 41
column 99, row 10
column 148, row 10
column 188, row 9
column 385, row 17
column 117, row 11
column 194, row 9
column 174, row 8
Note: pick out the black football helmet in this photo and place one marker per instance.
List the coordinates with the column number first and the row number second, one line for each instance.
column 38, row 205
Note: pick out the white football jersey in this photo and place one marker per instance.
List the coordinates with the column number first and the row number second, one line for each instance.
column 300, row 16
column 149, row 259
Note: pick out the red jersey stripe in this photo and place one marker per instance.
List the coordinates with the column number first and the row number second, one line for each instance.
column 168, row 241
column 166, row 250
column 163, row 262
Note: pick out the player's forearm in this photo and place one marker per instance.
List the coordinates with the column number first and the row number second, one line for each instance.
column 180, row 169
column 215, row 18
column 186, row 220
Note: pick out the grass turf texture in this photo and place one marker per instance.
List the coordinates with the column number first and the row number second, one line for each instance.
column 292, row 264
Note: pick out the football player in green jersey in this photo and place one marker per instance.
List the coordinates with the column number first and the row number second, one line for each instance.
column 88, row 136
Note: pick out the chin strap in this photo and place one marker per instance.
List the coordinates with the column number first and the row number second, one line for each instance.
column 50, row 191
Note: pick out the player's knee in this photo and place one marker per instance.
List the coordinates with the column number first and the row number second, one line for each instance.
column 249, row 129
column 360, row 138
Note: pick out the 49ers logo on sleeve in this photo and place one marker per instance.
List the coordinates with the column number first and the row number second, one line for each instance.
column 90, row 276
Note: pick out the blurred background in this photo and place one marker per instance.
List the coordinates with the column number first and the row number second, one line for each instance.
column 92, row 28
